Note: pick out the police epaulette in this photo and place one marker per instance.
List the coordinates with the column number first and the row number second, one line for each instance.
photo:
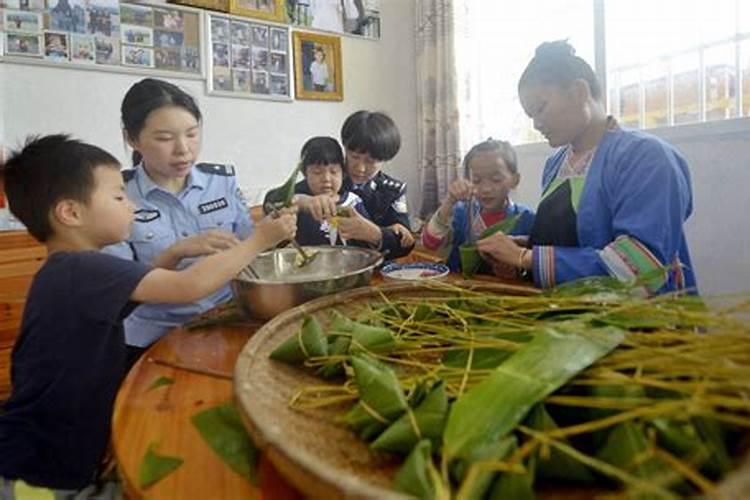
column 128, row 174
column 390, row 183
column 216, row 168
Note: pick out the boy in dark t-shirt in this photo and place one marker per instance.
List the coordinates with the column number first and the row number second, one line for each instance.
column 69, row 358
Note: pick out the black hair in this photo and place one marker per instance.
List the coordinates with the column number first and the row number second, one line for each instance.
column 556, row 63
column 503, row 148
column 46, row 171
column 321, row 151
column 373, row 133
column 149, row 95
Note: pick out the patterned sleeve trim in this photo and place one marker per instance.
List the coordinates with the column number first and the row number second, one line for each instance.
column 436, row 232
column 628, row 259
column 544, row 265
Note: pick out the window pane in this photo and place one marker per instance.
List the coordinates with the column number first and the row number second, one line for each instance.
column 687, row 94
column 721, row 89
column 493, row 50
column 745, row 56
column 666, row 42
column 656, row 95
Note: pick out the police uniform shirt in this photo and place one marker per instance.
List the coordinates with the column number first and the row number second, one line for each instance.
column 210, row 200
column 384, row 199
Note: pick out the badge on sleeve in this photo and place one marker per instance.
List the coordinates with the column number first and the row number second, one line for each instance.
column 213, row 206
column 145, row 215
column 400, row 204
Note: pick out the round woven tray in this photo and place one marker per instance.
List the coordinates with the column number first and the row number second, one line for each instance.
column 319, row 456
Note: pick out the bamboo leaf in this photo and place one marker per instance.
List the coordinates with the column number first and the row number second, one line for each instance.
column 160, row 382
column 475, row 481
column 469, row 255
column 309, row 342
column 222, row 429
column 557, row 465
column 381, row 397
column 413, row 477
column 428, row 418
column 282, row 196
column 155, row 467
column 494, row 407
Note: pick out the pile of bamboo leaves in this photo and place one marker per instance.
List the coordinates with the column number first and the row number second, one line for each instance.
column 489, row 396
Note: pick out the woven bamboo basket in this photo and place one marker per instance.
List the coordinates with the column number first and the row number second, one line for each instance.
column 321, row 457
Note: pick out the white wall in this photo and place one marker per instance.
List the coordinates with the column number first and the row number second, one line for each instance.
column 261, row 138
column 719, row 230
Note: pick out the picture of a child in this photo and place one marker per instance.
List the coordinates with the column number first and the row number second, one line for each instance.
column 319, row 70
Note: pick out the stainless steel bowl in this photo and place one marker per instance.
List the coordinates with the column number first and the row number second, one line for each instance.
column 281, row 284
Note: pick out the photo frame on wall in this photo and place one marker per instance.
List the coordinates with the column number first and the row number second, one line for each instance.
column 317, row 67
column 105, row 34
column 248, row 58
column 353, row 17
column 267, row 10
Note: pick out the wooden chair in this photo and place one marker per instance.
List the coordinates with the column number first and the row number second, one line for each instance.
column 20, row 258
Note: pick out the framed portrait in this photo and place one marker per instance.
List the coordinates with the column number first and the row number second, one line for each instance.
column 269, row 10
column 352, row 17
column 248, row 58
column 317, row 67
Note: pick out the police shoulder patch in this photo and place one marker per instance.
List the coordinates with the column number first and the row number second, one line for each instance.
column 216, row 169
column 128, row 175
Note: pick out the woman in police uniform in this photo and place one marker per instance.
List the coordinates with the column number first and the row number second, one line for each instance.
column 184, row 210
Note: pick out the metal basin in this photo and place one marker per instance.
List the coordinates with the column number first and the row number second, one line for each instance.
column 281, row 284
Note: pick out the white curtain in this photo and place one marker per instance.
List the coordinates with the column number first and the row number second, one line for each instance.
column 437, row 103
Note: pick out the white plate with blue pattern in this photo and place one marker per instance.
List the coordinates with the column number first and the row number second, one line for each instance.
column 414, row 271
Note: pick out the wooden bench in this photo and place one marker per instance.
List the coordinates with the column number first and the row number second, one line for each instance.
column 20, row 258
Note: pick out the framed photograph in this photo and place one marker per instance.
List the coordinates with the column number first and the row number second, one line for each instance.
column 269, row 10
column 107, row 51
column 20, row 44
column 220, row 5
column 56, row 47
column 137, row 35
column 82, row 49
column 248, row 59
column 317, row 67
column 168, row 19
column 22, row 4
column 354, row 17
column 22, row 21
column 103, row 17
column 132, row 55
column 138, row 15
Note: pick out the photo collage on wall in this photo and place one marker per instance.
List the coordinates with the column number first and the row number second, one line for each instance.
column 249, row 59
column 355, row 17
column 103, row 32
column 160, row 37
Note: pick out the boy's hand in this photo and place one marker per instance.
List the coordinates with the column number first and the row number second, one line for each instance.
column 406, row 236
column 355, row 227
column 322, row 206
column 271, row 231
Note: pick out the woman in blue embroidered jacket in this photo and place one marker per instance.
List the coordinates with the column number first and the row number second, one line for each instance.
column 490, row 174
column 613, row 201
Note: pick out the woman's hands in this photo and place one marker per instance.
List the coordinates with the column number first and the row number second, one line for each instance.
column 274, row 229
column 355, row 227
column 322, row 206
column 198, row 245
column 504, row 252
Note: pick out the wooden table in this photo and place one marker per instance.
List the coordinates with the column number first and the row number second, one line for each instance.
column 162, row 415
